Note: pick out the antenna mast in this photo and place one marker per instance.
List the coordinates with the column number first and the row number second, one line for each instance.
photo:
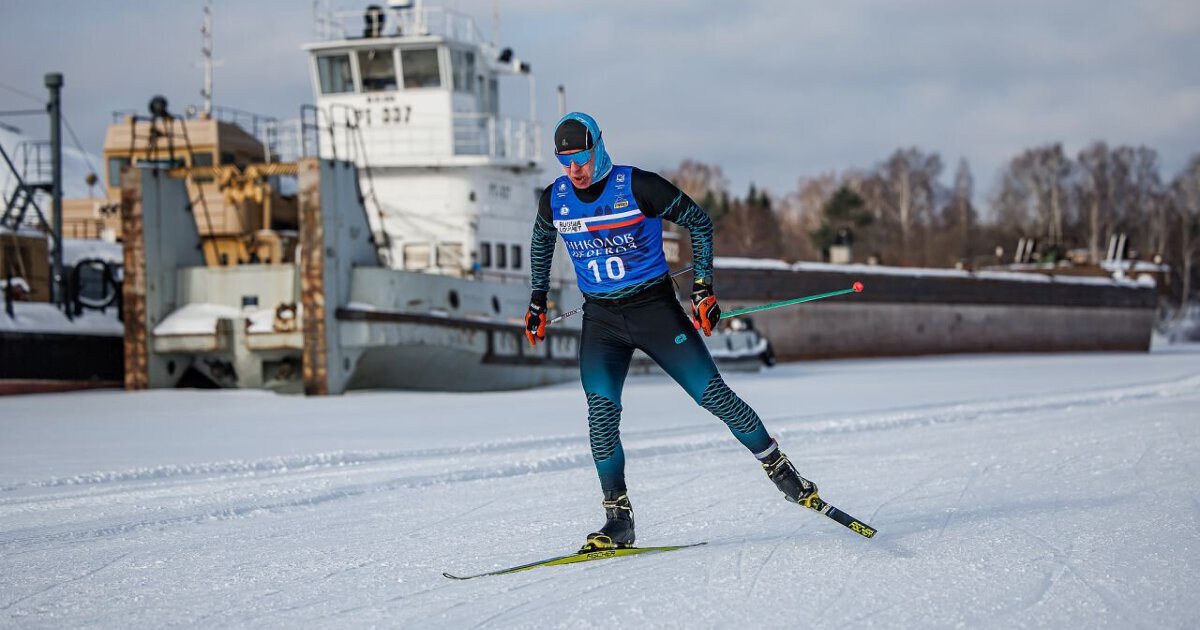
column 496, row 23
column 206, row 49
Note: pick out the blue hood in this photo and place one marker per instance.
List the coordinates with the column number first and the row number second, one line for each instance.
column 603, row 162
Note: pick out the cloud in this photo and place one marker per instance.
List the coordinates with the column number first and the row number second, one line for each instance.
column 771, row 91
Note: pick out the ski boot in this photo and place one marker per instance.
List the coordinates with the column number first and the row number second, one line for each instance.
column 780, row 470
column 617, row 532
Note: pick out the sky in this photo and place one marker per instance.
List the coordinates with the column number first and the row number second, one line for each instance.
column 770, row 91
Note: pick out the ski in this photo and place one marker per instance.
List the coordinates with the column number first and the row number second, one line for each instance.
column 851, row 523
column 581, row 556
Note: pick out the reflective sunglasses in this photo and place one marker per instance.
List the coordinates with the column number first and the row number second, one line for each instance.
column 580, row 158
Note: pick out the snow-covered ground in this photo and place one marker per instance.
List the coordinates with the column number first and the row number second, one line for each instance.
column 1050, row 491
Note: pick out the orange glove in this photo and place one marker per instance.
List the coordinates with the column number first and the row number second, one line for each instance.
column 705, row 312
column 535, row 319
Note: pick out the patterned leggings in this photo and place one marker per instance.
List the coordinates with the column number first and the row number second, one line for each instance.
column 653, row 322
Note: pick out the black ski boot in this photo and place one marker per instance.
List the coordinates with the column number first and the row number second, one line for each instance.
column 779, row 468
column 617, row 532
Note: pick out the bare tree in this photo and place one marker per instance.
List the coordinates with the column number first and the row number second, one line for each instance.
column 1033, row 196
column 1096, row 196
column 1012, row 201
column 799, row 214
column 704, row 183
column 1053, row 170
column 1150, row 200
column 903, row 193
column 959, row 216
column 1186, row 193
column 749, row 229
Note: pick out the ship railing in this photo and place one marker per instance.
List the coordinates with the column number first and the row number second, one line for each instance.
column 269, row 131
column 339, row 134
column 434, row 21
column 33, row 162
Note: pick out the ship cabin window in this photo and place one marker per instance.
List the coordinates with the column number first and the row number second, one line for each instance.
column 227, row 158
column 501, row 256
column 115, row 165
column 202, row 160
column 334, row 72
column 416, row 255
column 493, row 96
column 450, row 255
column 462, row 62
column 485, row 254
column 420, row 68
column 377, row 68
column 516, row 256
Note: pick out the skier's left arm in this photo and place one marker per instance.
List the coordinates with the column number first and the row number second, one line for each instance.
column 658, row 197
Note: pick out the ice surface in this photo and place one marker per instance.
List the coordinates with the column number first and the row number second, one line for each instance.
column 1009, row 491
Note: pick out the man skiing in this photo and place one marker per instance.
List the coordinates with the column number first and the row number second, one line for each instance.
column 610, row 220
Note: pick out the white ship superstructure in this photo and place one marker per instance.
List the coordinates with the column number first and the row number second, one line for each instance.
column 411, row 95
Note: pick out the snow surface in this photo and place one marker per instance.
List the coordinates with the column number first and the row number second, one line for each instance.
column 200, row 318
column 43, row 317
column 1009, row 491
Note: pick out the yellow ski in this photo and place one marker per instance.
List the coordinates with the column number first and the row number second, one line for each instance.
column 582, row 556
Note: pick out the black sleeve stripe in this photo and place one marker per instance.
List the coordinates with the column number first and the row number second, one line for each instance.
column 541, row 245
column 700, row 228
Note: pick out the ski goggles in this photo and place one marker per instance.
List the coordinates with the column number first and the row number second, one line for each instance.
column 579, row 158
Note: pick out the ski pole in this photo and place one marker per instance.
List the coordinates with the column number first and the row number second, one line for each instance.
column 578, row 310
column 857, row 287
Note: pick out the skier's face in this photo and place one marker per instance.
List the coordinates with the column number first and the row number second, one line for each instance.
column 580, row 174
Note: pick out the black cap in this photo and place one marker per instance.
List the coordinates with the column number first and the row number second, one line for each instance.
column 572, row 135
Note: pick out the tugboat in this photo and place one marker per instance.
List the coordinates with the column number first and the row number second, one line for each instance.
column 407, row 269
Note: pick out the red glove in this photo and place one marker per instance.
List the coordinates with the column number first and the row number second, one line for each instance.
column 705, row 312
column 535, row 319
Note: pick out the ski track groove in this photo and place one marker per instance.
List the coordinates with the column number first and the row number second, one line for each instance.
column 51, row 587
column 531, row 606
column 1063, row 559
column 741, row 560
column 691, row 478
column 771, row 554
column 501, row 613
column 979, row 472
column 445, row 519
column 906, row 493
column 1050, row 579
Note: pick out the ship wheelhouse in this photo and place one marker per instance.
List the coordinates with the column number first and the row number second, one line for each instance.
column 414, row 99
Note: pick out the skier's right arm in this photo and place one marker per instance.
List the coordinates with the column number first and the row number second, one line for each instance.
column 541, row 254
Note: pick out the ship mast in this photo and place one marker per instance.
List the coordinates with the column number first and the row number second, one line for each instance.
column 206, row 48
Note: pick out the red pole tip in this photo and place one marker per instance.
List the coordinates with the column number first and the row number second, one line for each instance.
column 858, row 287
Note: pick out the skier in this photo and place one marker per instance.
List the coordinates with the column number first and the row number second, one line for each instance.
column 610, row 219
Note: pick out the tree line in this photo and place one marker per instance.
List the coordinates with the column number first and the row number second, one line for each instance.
column 900, row 211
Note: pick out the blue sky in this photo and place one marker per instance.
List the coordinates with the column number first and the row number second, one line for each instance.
column 770, row 91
